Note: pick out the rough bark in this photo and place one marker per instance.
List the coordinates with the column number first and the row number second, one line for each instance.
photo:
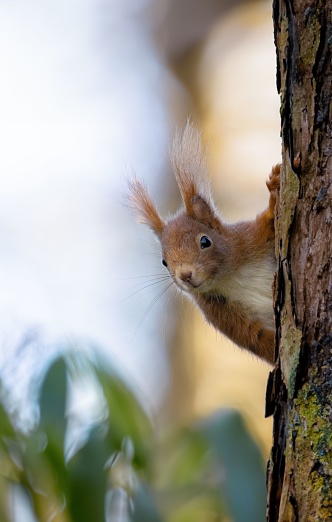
column 300, row 388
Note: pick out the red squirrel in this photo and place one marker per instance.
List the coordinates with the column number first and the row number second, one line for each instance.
column 226, row 269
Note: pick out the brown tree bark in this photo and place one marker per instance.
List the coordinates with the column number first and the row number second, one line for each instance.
column 300, row 388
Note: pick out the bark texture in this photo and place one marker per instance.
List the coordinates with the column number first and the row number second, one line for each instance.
column 300, row 388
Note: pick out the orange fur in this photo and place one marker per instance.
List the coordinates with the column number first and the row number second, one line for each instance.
column 226, row 269
column 140, row 201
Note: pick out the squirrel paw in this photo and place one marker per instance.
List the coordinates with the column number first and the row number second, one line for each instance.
column 273, row 184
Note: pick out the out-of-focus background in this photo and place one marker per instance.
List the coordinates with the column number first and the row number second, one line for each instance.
column 91, row 92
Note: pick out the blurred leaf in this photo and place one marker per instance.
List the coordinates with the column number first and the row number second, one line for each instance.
column 39, row 504
column 198, row 472
column 8, row 440
column 87, row 478
column 184, row 458
column 52, row 402
column 201, row 508
column 190, row 502
column 144, row 505
column 186, row 491
column 117, row 505
column 3, row 499
column 6, row 427
column 244, row 488
column 41, row 475
column 127, row 418
column 10, row 449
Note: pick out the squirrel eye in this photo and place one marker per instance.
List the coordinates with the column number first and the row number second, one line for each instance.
column 164, row 262
column 205, row 242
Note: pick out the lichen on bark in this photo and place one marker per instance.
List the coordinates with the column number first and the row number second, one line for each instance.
column 300, row 389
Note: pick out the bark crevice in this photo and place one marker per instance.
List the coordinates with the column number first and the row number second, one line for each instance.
column 300, row 388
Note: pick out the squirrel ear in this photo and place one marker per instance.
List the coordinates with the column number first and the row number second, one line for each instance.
column 202, row 212
column 140, row 201
column 190, row 166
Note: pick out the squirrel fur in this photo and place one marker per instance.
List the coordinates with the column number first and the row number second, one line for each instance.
column 226, row 269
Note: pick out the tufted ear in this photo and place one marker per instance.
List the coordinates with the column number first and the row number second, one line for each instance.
column 190, row 166
column 191, row 171
column 202, row 212
column 140, row 201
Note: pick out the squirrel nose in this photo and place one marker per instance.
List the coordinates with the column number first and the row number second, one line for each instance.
column 186, row 276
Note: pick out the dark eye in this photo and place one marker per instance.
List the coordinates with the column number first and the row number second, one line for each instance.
column 205, row 242
column 164, row 262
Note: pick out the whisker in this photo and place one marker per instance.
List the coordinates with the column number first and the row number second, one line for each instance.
column 158, row 296
column 142, row 276
column 170, row 299
column 157, row 254
column 155, row 245
column 149, row 285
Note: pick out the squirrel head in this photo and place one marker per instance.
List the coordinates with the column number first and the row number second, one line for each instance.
column 194, row 248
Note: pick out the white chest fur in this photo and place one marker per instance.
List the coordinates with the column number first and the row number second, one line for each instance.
column 251, row 286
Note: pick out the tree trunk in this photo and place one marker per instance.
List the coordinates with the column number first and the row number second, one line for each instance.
column 300, row 388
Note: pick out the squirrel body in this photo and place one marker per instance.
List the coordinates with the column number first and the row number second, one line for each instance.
column 226, row 269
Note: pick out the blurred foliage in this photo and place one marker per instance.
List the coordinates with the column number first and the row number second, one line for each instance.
column 118, row 469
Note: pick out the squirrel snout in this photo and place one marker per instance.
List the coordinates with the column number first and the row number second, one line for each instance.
column 186, row 276
column 184, row 273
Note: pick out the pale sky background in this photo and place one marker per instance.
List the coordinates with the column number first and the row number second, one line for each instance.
column 87, row 99
column 84, row 102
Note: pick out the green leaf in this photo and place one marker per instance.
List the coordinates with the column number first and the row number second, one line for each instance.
column 144, row 505
column 52, row 401
column 126, row 418
column 6, row 427
column 183, row 458
column 237, row 454
column 198, row 508
column 3, row 499
column 185, row 490
column 118, row 505
column 87, row 477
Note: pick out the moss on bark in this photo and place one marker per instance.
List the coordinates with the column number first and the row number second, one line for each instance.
column 300, row 469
